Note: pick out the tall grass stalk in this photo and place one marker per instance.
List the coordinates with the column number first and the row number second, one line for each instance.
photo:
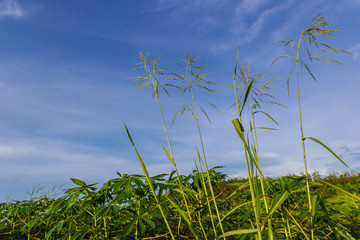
column 152, row 77
column 255, row 96
column 250, row 177
column 311, row 34
column 192, row 78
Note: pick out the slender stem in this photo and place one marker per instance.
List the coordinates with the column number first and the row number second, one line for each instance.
column 253, row 197
column 205, row 163
column 172, row 156
column 246, row 157
column 206, row 192
column 302, row 135
column 261, row 176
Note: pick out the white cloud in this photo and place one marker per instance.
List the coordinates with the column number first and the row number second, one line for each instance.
column 355, row 50
column 206, row 12
column 10, row 8
column 244, row 32
column 48, row 161
column 248, row 6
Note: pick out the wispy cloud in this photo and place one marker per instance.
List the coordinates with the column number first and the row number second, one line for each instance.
column 208, row 13
column 355, row 50
column 248, row 6
column 244, row 31
column 10, row 8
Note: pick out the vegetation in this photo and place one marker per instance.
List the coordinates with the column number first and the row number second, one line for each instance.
column 204, row 204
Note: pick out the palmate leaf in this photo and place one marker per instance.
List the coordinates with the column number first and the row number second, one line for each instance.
column 129, row 227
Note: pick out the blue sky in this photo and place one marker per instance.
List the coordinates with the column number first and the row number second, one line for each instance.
column 66, row 92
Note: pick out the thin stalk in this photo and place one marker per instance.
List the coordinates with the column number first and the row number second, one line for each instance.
column 172, row 156
column 201, row 226
column 261, row 176
column 154, row 80
column 302, row 135
column 205, row 163
column 246, row 157
column 252, row 192
column 205, row 191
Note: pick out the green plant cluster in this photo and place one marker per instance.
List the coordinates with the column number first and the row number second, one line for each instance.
column 124, row 208
column 204, row 205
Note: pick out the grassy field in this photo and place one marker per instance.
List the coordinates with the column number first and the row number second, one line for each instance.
column 206, row 204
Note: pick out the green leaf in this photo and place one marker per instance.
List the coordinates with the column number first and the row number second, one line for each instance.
column 58, row 228
column 266, row 128
column 32, row 223
column 48, row 234
column 238, row 126
column 238, row 232
column 169, row 157
column 79, row 235
column 149, row 222
column 341, row 190
column 182, row 213
column 281, row 56
column 129, row 228
column 246, row 96
column 308, row 69
column 269, row 117
column 275, row 206
column 141, row 226
column 327, row 148
column 234, row 209
column 78, row 182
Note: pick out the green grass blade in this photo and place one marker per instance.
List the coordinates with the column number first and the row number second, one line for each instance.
column 238, row 232
column 246, row 96
column 78, row 182
column 266, row 114
column 183, row 215
column 169, row 157
column 275, row 206
column 297, row 224
column 148, row 179
column 233, row 210
column 327, row 148
column 341, row 190
column 281, row 56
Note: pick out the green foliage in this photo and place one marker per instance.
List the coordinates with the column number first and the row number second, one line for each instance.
column 124, row 208
column 204, row 204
